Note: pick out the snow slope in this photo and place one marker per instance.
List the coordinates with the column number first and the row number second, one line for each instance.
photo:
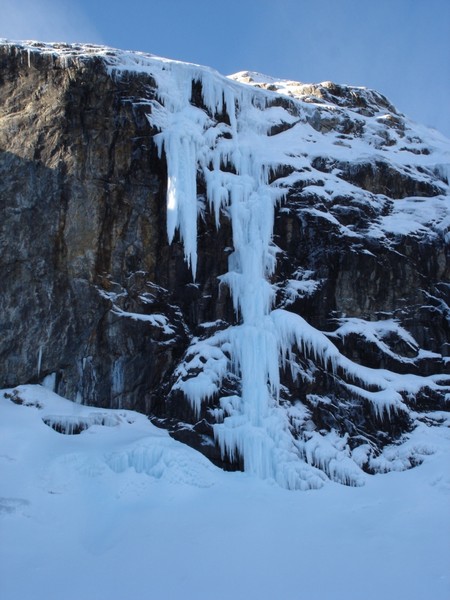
column 121, row 510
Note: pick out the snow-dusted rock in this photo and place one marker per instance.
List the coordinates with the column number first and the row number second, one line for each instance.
column 260, row 266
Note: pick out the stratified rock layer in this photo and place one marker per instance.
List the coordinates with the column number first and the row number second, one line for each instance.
column 96, row 302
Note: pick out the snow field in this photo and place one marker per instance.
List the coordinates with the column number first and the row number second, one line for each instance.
column 122, row 510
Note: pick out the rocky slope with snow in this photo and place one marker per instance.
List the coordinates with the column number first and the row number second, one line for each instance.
column 260, row 266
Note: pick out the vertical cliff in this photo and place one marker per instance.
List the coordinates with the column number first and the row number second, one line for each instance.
column 262, row 267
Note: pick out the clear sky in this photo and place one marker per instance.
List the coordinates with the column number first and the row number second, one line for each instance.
column 399, row 47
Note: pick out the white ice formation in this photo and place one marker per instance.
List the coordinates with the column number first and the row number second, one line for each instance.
column 194, row 141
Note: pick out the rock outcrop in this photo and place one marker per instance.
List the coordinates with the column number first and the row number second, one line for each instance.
column 96, row 303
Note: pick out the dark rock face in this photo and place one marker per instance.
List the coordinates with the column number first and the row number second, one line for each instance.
column 83, row 204
column 93, row 294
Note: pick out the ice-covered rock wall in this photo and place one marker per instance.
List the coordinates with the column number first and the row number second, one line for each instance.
column 307, row 330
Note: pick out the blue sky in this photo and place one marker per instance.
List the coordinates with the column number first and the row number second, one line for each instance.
column 400, row 47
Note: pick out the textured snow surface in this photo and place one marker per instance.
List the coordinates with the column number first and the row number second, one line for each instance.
column 237, row 138
column 121, row 510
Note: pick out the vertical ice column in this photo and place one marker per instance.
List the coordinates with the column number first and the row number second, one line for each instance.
column 254, row 342
column 192, row 141
column 182, row 193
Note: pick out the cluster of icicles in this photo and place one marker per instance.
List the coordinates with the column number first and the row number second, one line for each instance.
column 253, row 425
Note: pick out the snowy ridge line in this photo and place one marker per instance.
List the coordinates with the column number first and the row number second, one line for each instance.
column 380, row 126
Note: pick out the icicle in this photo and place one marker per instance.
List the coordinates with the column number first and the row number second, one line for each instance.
column 39, row 362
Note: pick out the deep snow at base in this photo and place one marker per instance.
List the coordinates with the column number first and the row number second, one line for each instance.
column 123, row 511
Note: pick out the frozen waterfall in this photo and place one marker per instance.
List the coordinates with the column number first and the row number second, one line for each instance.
column 226, row 141
column 193, row 141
